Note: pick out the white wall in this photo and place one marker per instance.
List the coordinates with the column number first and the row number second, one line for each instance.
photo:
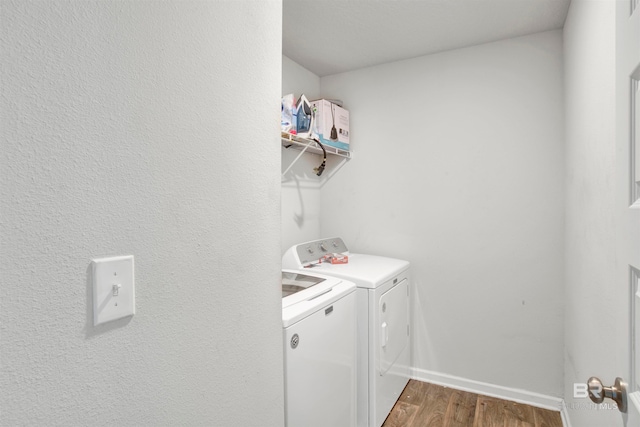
column 300, row 186
column 458, row 168
column 124, row 132
column 589, row 36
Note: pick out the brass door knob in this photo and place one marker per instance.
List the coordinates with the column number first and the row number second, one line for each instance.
column 617, row 392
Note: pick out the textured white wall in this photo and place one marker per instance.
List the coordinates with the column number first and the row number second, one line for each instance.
column 144, row 128
column 589, row 38
column 459, row 169
column 300, row 188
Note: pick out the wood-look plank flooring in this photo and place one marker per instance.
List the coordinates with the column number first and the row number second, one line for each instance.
column 429, row 405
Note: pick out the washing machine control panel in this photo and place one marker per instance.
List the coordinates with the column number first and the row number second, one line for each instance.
column 313, row 251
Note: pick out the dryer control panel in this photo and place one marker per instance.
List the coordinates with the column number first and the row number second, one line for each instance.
column 314, row 250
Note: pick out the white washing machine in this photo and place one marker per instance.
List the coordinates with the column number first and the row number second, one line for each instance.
column 383, row 320
column 319, row 329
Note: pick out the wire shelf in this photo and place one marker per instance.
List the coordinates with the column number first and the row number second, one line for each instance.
column 309, row 145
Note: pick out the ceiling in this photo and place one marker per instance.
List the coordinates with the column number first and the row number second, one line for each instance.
column 334, row 36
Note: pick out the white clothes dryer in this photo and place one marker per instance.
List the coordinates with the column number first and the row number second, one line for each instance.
column 319, row 331
column 383, row 320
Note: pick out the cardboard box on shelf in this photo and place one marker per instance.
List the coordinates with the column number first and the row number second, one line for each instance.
column 331, row 124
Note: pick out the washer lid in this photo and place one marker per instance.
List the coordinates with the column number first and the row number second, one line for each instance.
column 327, row 290
column 293, row 282
column 313, row 286
column 366, row 271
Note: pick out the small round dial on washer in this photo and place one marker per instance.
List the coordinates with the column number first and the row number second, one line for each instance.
column 295, row 340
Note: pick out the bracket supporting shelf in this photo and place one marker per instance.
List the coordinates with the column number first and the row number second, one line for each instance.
column 310, row 146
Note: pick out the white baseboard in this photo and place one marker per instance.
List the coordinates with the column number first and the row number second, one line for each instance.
column 516, row 395
column 564, row 414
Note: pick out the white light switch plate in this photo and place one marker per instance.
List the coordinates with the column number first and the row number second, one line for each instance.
column 113, row 289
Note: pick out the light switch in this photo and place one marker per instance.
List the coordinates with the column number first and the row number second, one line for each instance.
column 113, row 289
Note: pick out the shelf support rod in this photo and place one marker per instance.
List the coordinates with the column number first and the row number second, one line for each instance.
column 295, row 160
column 335, row 169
